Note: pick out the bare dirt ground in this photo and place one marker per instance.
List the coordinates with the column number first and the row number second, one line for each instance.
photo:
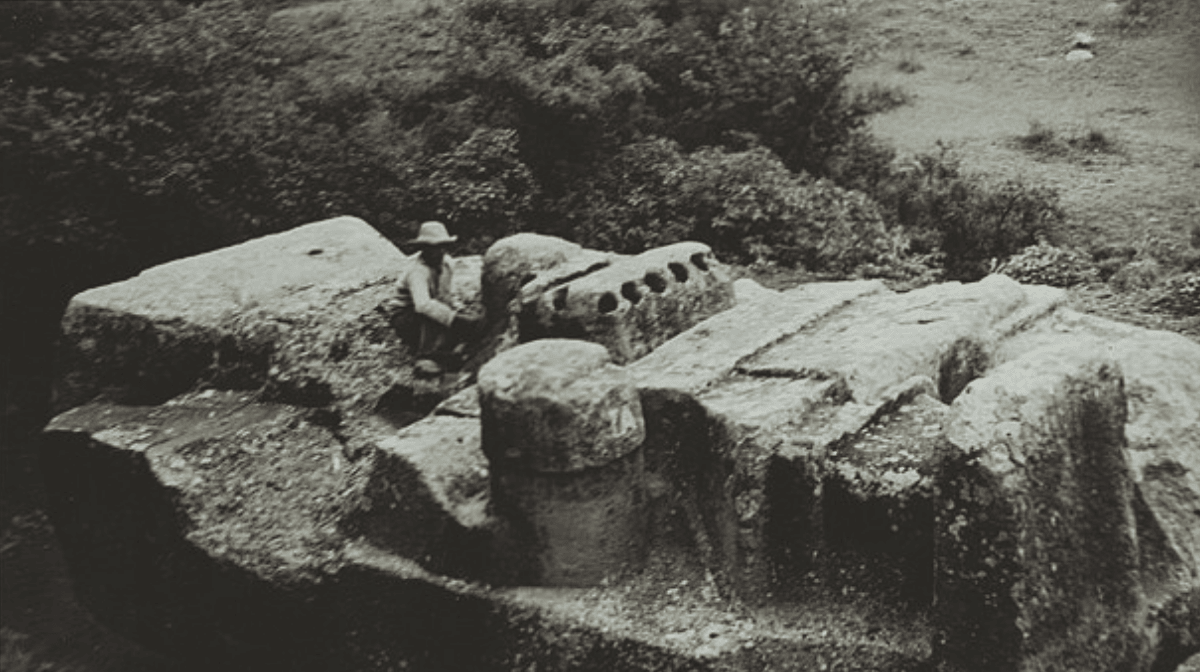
column 981, row 73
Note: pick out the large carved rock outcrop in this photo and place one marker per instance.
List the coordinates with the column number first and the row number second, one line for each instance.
column 836, row 476
column 563, row 433
column 1036, row 538
column 632, row 305
column 305, row 313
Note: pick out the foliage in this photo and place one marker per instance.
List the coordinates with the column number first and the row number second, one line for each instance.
column 481, row 185
column 193, row 127
column 567, row 86
column 1136, row 275
column 1179, row 295
column 1046, row 142
column 15, row 655
column 961, row 219
column 1044, row 264
column 767, row 73
column 105, row 158
column 746, row 204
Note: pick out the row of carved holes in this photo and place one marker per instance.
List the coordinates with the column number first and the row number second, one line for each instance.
column 653, row 280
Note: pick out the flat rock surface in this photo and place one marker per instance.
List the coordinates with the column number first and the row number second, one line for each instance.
column 310, row 314
column 208, row 288
column 881, row 341
column 712, row 349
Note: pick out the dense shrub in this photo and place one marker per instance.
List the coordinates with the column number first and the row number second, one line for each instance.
column 746, row 204
column 1179, row 294
column 963, row 220
column 1044, row 264
column 766, row 72
column 1136, row 275
column 481, row 185
column 136, row 132
column 238, row 122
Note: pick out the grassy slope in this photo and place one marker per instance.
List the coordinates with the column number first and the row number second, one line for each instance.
column 983, row 72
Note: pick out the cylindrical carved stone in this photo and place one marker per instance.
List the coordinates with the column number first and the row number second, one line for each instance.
column 563, row 431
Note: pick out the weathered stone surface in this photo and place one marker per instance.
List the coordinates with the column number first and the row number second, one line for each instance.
column 634, row 304
column 563, row 432
column 793, row 461
column 1162, row 384
column 746, row 290
column 637, row 626
column 467, row 290
column 711, row 350
column 427, row 493
column 304, row 313
column 940, row 331
column 747, row 412
column 558, row 406
column 880, row 490
column 173, row 518
column 464, row 404
column 755, row 460
column 1037, row 542
column 151, row 337
column 513, row 262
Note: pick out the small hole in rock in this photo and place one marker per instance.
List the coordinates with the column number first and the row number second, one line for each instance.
column 630, row 291
column 699, row 261
column 315, row 251
column 560, row 299
column 679, row 271
column 526, row 279
column 608, row 303
column 655, row 282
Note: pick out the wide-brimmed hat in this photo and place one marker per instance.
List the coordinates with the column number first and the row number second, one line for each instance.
column 433, row 233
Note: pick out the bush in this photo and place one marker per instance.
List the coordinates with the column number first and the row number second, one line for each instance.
column 962, row 220
column 746, row 204
column 207, row 125
column 1044, row 264
column 1137, row 275
column 481, row 185
column 765, row 72
column 1179, row 295
column 1079, row 143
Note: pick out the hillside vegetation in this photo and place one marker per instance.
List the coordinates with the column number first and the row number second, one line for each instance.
column 138, row 132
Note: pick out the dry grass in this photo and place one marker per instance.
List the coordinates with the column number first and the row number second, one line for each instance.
column 1118, row 136
column 1076, row 144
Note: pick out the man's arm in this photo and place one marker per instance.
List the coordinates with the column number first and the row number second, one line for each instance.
column 418, row 280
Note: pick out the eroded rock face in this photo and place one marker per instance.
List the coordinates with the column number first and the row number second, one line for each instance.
column 1161, row 371
column 174, row 517
column 959, row 477
column 635, row 304
column 515, row 261
column 563, row 432
column 304, row 314
column 1037, row 543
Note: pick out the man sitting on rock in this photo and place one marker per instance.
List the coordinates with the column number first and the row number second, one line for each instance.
column 425, row 291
